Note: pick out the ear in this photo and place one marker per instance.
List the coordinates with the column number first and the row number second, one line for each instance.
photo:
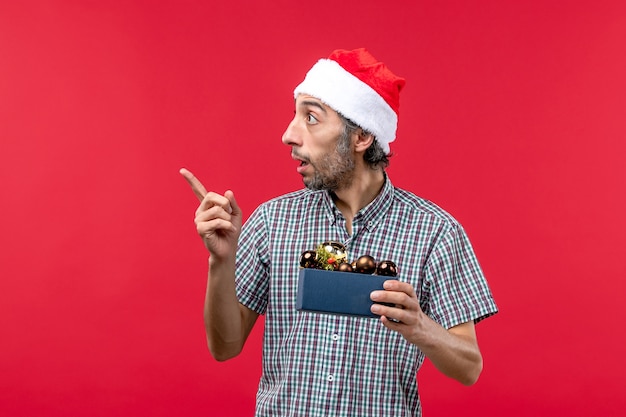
column 363, row 140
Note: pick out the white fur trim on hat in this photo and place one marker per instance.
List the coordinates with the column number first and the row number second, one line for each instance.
column 354, row 99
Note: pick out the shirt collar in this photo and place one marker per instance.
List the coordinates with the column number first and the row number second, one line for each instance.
column 369, row 216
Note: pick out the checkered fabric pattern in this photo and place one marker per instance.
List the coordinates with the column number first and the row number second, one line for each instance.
column 329, row 365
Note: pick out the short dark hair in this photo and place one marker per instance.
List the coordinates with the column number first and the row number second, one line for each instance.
column 375, row 156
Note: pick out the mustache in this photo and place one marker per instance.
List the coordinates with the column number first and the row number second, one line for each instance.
column 296, row 155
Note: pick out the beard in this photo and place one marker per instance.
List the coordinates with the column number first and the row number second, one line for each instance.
column 334, row 170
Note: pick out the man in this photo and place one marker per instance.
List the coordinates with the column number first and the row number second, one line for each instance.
column 331, row 365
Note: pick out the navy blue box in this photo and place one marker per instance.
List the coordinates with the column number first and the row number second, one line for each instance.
column 337, row 292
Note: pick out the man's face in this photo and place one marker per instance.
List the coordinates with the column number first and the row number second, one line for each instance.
column 318, row 143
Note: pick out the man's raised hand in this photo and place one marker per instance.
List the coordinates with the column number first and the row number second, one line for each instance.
column 218, row 218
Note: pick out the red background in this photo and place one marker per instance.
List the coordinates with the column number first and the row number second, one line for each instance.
column 513, row 119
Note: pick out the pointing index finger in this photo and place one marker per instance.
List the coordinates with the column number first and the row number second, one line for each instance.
column 196, row 186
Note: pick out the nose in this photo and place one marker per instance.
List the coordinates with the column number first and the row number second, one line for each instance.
column 292, row 137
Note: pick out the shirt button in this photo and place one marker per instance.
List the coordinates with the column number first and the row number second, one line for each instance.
column 330, row 378
column 335, row 337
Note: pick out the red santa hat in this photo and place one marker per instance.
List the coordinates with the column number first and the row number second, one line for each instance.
column 359, row 87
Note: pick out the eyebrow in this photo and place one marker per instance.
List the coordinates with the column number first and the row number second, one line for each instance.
column 314, row 104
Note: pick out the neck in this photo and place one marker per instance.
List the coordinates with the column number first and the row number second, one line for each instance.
column 362, row 191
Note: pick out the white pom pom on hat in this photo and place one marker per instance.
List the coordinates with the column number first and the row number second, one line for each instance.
column 361, row 88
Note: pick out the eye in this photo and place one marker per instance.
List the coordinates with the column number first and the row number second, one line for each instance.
column 310, row 119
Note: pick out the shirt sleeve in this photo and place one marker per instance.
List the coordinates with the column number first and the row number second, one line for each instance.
column 456, row 287
column 252, row 265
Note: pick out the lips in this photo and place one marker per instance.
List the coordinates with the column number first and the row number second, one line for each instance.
column 304, row 162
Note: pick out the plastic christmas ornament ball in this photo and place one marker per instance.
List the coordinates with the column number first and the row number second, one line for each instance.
column 365, row 265
column 345, row 267
column 308, row 259
column 335, row 248
column 330, row 255
column 387, row 269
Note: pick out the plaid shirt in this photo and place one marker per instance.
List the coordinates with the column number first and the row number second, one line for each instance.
column 330, row 365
